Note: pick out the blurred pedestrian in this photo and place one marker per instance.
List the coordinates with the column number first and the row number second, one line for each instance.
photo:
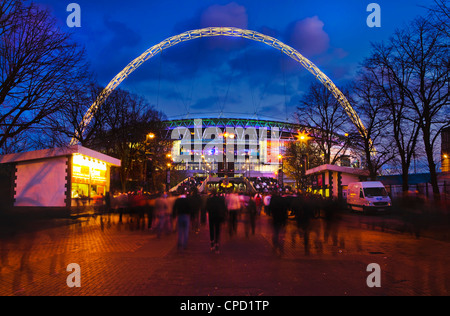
column 266, row 202
column 217, row 211
column 331, row 221
column 108, row 202
column 150, row 210
column 258, row 203
column 233, row 206
column 195, row 201
column 182, row 211
column 162, row 212
column 203, row 211
column 250, row 217
column 278, row 211
column 303, row 216
column 122, row 204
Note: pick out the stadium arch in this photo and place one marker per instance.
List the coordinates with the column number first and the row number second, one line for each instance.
column 216, row 32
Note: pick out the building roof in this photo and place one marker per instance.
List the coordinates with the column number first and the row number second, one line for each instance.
column 58, row 152
column 283, row 127
column 348, row 170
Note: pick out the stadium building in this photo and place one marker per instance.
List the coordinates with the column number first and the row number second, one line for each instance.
column 234, row 147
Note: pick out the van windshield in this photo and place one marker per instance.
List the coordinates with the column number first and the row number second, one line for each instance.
column 368, row 192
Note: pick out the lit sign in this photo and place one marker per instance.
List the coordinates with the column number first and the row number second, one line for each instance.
column 87, row 170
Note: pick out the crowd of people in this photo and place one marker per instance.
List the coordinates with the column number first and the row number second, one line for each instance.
column 187, row 210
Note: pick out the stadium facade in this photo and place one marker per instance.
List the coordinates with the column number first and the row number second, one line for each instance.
column 233, row 147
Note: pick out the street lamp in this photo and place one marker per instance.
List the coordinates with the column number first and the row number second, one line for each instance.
column 169, row 165
column 303, row 136
column 148, row 137
column 281, row 174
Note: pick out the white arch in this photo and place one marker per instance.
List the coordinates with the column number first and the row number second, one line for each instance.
column 229, row 32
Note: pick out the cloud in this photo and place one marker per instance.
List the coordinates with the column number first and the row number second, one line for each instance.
column 215, row 102
column 118, row 48
column 229, row 15
column 122, row 36
column 308, row 36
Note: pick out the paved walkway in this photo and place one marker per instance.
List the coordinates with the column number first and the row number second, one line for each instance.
column 127, row 259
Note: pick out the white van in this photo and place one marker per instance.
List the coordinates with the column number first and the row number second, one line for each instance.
column 368, row 196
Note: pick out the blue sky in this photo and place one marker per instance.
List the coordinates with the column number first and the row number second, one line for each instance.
column 239, row 78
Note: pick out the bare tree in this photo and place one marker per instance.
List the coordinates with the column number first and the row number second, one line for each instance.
column 412, row 72
column 324, row 118
column 67, row 122
column 126, row 120
column 39, row 65
column 299, row 157
column 9, row 9
column 439, row 15
column 371, row 105
column 422, row 48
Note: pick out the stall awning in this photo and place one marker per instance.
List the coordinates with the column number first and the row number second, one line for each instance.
column 59, row 152
column 348, row 170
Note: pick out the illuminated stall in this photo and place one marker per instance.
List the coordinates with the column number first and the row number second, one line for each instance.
column 333, row 180
column 59, row 177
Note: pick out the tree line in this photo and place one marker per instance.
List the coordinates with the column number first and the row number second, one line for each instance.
column 401, row 93
column 46, row 87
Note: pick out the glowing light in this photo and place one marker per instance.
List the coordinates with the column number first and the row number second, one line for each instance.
column 84, row 161
column 302, row 136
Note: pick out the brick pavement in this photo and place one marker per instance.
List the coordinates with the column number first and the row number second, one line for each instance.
column 124, row 259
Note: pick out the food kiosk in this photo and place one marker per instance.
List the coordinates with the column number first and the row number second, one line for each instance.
column 59, row 177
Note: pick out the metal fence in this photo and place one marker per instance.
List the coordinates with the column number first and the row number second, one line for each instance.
column 422, row 189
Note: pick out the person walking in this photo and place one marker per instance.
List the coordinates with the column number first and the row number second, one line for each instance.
column 195, row 201
column 233, row 206
column 303, row 217
column 217, row 213
column 266, row 202
column 182, row 211
column 259, row 203
column 250, row 216
column 162, row 212
column 278, row 211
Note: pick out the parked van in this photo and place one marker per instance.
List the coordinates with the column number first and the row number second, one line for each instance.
column 368, row 196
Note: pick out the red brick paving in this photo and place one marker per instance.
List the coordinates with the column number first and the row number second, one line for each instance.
column 123, row 259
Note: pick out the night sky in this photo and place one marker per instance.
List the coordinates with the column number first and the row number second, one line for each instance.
column 236, row 77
